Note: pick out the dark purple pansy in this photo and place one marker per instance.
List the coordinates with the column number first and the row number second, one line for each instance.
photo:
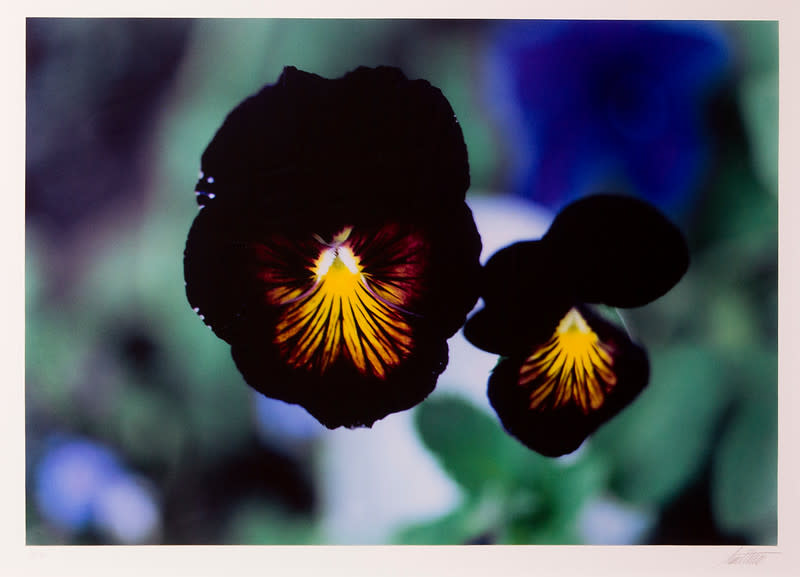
column 334, row 250
column 591, row 105
column 564, row 368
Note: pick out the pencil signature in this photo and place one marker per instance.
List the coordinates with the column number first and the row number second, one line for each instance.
column 743, row 557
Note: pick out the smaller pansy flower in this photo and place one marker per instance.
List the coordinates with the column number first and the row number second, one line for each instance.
column 334, row 250
column 565, row 369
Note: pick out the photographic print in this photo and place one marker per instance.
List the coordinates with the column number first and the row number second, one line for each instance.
column 401, row 282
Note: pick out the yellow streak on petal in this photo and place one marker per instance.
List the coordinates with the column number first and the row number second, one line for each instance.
column 342, row 316
column 573, row 366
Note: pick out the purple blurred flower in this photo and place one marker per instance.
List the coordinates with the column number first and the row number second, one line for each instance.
column 593, row 105
column 126, row 511
column 80, row 484
column 68, row 479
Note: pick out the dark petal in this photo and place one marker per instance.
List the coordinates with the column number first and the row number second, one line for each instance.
column 455, row 267
column 224, row 262
column 334, row 250
column 220, row 265
column 502, row 331
column 554, row 417
column 525, row 272
column 315, row 144
column 525, row 295
column 258, row 281
column 343, row 397
column 218, row 286
column 617, row 250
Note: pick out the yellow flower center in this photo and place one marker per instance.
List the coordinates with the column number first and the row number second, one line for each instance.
column 574, row 365
column 345, row 313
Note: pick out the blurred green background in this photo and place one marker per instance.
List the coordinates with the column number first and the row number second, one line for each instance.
column 139, row 429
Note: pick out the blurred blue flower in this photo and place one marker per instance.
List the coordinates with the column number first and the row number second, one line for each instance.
column 593, row 105
column 277, row 420
column 80, row 484
column 126, row 511
column 68, row 479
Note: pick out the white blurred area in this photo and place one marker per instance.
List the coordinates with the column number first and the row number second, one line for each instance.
column 378, row 480
column 501, row 220
column 605, row 521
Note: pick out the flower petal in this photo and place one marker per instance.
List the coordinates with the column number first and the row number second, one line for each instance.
column 334, row 250
column 563, row 388
column 593, row 103
column 331, row 319
column 617, row 250
column 526, row 292
column 353, row 302
column 339, row 145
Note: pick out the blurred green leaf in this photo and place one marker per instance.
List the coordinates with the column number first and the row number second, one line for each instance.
column 744, row 469
column 55, row 346
column 257, row 522
column 219, row 416
column 149, row 427
column 470, row 445
column 467, row 523
column 732, row 322
column 753, row 371
column 50, row 362
column 34, row 273
column 563, row 489
column 759, row 97
column 759, row 44
column 538, row 529
column 659, row 443
column 514, row 494
column 140, row 278
column 574, row 484
column 758, row 93
column 742, row 209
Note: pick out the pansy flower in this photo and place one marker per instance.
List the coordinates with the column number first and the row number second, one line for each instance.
column 334, row 250
column 566, row 368
column 590, row 105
